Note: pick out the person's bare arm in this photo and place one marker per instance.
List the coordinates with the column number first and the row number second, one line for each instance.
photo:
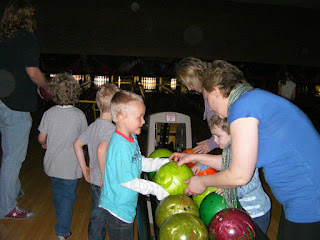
column 209, row 160
column 78, row 149
column 42, row 139
column 101, row 154
column 244, row 135
column 38, row 77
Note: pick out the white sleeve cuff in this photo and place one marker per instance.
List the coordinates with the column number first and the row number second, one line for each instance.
column 146, row 187
column 153, row 164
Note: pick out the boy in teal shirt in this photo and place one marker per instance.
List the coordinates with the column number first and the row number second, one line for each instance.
column 123, row 167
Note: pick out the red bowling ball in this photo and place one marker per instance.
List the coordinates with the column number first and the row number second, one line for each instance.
column 45, row 94
column 189, row 150
column 230, row 224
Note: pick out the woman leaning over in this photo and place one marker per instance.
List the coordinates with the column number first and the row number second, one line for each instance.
column 269, row 132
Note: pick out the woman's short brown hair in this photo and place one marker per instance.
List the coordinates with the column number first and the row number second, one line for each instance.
column 19, row 14
column 64, row 89
column 223, row 75
column 222, row 123
column 104, row 96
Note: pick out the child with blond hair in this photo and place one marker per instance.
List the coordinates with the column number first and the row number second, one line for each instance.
column 123, row 167
column 97, row 137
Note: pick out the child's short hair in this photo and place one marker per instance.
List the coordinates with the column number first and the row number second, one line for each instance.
column 64, row 89
column 104, row 96
column 219, row 122
column 120, row 103
column 190, row 71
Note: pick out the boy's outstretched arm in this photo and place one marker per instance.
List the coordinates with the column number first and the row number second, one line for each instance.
column 146, row 187
column 78, row 149
column 101, row 154
column 42, row 139
column 153, row 164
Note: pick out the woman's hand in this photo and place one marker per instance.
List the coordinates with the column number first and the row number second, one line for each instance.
column 202, row 147
column 183, row 158
column 195, row 186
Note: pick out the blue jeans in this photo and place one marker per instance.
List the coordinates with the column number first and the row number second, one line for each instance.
column 98, row 218
column 15, row 128
column 64, row 195
column 263, row 222
column 118, row 229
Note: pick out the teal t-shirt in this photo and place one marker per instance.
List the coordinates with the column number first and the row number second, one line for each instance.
column 123, row 164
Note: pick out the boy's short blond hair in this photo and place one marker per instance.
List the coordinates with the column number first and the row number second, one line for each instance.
column 64, row 89
column 120, row 103
column 104, row 96
column 190, row 71
column 222, row 123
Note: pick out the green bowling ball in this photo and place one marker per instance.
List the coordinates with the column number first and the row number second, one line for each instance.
column 161, row 153
column 174, row 204
column 183, row 226
column 199, row 198
column 212, row 204
column 154, row 177
column 171, row 177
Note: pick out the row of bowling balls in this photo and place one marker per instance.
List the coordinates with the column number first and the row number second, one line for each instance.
column 180, row 217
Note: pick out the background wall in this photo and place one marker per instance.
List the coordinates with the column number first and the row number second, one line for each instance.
column 178, row 28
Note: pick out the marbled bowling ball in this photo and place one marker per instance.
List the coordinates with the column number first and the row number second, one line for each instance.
column 183, row 226
column 171, row 177
column 230, row 224
column 174, row 204
column 159, row 153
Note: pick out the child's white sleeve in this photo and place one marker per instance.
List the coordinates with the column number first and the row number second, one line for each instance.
column 146, row 187
column 153, row 164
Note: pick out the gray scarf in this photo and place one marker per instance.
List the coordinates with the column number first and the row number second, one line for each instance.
column 230, row 195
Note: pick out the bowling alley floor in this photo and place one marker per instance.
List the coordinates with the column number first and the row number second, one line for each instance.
column 38, row 194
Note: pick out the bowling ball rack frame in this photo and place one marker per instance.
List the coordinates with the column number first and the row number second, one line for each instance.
column 147, row 204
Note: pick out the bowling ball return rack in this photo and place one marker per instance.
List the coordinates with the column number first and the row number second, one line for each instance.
column 171, row 130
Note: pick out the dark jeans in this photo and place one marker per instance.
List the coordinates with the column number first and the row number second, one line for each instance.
column 64, row 195
column 98, row 218
column 297, row 231
column 263, row 222
column 117, row 229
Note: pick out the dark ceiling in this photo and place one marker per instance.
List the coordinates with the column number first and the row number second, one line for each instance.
column 312, row 4
column 280, row 32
